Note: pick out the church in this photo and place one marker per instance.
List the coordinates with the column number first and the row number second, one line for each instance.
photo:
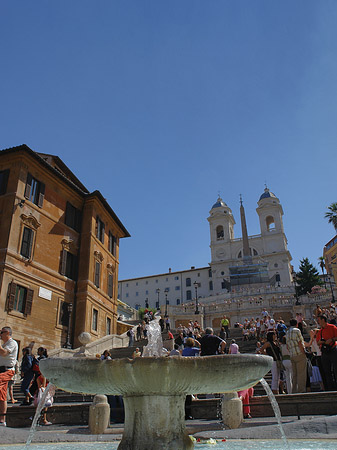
column 237, row 264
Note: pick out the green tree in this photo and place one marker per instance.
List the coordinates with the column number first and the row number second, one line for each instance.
column 307, row 277
column 331, row 215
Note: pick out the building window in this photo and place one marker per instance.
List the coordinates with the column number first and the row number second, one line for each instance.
column 177, row 288
column 73, row 217
column 3, row 181
column 94, row 319
column 210, row 273
column 223, row 285
column 20, row 298
column 136, row 294
column 146, row 282
column 147, row 292
column 97, row 273
column 27, row 242
column 178, row 301
column 136, row 283
column 176, row 278
column 188, row 282
column 127, row 295
column 270, row 223
column 188, row 295
column 110, row 285
column 64, row 314
column 112, row 244
column 68, row 265
column 167, row 289
column 34, row 191
column 137, row 306
column 211, row 285
column 166, row 279
column 108, row 326
column 100, row 228
column 219, row 232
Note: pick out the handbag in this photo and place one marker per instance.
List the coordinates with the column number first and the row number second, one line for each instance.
column 279, row 362
column 49, row 400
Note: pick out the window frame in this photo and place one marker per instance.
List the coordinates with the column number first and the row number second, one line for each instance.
column 35, row 190
column 100, row 229
column 4, row 175
column 97, row 274
column 27, row 242
column 73, row 217
column 12, row 300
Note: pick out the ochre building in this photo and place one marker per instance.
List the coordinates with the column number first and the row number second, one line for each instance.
column 59, row 249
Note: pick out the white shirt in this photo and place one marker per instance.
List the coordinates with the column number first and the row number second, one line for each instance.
column 10, row 359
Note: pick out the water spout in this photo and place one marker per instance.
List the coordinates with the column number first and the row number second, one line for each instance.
column 39, row 408
column 277, row 411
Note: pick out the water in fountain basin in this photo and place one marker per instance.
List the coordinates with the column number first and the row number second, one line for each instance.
column 273, row 444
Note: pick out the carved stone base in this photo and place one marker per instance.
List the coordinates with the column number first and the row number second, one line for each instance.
column 155, row 422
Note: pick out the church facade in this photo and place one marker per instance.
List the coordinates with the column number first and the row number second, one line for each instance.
column 236, row 263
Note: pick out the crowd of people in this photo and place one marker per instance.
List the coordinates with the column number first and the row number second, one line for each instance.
column 297, row 363
column 33, row 383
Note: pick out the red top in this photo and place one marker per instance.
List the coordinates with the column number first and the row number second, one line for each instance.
column 330, row 331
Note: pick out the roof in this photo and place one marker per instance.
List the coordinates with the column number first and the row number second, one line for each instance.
column 59, row 169
column 219, row 203
column 267, row 194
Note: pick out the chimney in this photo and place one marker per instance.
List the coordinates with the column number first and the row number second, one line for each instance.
column 170, row 270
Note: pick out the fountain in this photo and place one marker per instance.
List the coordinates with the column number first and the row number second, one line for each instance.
column 154, row 389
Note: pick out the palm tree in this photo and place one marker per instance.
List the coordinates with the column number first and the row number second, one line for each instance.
column 331, row 215
column 322, row 265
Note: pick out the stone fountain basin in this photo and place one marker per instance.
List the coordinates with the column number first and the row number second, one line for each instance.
column 156, row 375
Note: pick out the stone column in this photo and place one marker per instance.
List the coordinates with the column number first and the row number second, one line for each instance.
column 232, row 411
column 155, row 422
column 99, row 415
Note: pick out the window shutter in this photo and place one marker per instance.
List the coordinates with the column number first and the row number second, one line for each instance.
column 97, row 273
column 4, row 182
column 102, row 233
column 78, row 220
column 27, row 242
column 11, row 295
column 41, row 195
column 110, row 285
column 28, row 185
column 67, row 219
column 29, row 301
column 114, row 240
column 63, row 262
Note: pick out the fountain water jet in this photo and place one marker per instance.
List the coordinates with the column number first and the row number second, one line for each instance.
column 154, row 389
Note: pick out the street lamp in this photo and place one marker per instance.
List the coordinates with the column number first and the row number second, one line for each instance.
column 332, row 294
column 146, row 303
column 295, row 286
column 70, row 309
column 157, row 302
column 166, row 302
column 196, row 297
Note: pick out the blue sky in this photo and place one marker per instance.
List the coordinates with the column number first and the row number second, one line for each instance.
column 160, row 105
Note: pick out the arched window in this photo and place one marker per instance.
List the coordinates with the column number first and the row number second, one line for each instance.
column 219, row 232
column 270, row 222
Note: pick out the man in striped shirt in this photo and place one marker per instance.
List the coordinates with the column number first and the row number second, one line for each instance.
column 296, row 347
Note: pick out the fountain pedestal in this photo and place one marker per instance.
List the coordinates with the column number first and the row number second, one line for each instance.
column 155, row 423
